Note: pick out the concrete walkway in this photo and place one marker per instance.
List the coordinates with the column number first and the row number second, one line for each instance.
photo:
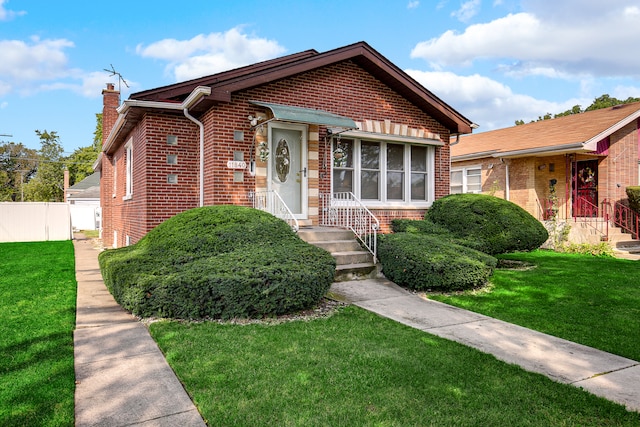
column 122, row 378
column 603, row 374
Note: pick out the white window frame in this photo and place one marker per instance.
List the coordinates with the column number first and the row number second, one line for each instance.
column 465, row 173
column 407, row 203
column 128, row 148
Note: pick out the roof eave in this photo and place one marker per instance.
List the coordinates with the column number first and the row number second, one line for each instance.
column 592, row 143
column 574, row 147
column 129, row 104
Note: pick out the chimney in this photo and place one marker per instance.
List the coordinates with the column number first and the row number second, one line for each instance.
column 110, row 104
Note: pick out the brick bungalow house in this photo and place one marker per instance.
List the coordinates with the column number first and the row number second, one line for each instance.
column 304, row 134
column 570, row 168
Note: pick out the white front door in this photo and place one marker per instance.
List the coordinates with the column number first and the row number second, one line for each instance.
column 288, row 166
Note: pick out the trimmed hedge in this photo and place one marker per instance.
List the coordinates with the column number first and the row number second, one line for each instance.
column 430, row 262
column 633, row 193
column 418, row 226
column 487, row 223
column 218, row 262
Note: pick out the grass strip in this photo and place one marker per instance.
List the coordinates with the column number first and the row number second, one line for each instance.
column 37, row 308
column 358, row 369
column 590, row 300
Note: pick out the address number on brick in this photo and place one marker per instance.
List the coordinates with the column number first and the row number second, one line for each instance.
column 236, row 164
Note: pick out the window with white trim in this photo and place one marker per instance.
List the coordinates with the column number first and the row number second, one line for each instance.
column 466, row 180
column 378, row 172
column 129, row 169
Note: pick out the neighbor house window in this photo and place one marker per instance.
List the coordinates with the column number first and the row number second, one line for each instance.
column 129, row 169
column 383, row 172
column 466, row 180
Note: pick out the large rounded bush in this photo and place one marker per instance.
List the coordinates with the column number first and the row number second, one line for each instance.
column 487, row 223
column 430, row 262
column 218, row 262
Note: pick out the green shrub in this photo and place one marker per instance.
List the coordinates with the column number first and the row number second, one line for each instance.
column 218, row 262
column 417, row 226
column 633, row 193
column 602, row 249
column 487, row 223
column 430, row 262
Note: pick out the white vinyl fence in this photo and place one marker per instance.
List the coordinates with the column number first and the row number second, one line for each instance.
column 85, row 216
column 34, row 222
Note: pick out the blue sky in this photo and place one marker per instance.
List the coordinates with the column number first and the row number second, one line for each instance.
column 495, row 61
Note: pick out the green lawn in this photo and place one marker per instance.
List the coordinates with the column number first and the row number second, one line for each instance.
column 594, row 301
column 37, row 312
column 358, row 369
column 351, row 369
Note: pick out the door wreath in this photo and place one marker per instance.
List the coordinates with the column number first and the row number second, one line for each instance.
column 586, row 175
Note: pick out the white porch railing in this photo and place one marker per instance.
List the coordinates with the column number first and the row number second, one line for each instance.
column 270, row 201
column 347, row 211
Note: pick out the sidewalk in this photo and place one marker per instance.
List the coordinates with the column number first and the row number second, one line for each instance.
column 606, row 375
column 122, row 378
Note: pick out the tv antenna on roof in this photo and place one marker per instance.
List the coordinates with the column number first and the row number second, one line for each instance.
column 115, row 73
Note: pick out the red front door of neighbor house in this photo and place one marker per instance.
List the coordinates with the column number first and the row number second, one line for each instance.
column 585, row 188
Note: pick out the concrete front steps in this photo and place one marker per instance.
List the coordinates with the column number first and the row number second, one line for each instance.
column 591, row 231
column 624, row 246
column 352, row 261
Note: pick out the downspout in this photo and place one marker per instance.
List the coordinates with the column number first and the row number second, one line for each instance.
column 506, row 180
column 201, row 126
column 193, row 97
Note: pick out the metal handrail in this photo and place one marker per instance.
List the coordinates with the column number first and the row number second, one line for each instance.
column 626, row 218
column 592, row 216
column 270, row 201
column 347, row 211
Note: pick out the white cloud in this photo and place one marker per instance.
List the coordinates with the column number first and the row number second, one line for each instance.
column 487, row 102
column 632, row 12
column 33, row 66
column 467, row 10
column 623, row 92
column 210, row 53
column 6, row 15
column 3, row 105
column 575, row 37
column 37, row 60
column 413, row 4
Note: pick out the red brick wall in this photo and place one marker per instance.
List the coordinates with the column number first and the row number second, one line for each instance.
column 343, row 89
column 620, row 167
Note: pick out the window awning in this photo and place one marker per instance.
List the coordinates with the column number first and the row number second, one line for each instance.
column 306, row 115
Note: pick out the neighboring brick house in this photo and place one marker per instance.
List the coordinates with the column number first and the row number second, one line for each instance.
column 303, row 125
column 570, row 167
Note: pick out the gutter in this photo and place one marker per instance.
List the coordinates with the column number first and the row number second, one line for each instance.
column 558, row 149
column 195, row 95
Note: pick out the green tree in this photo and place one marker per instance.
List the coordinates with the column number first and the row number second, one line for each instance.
column 47, row 184
column 80, row 162
column 17, row 166
column 604, row 101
